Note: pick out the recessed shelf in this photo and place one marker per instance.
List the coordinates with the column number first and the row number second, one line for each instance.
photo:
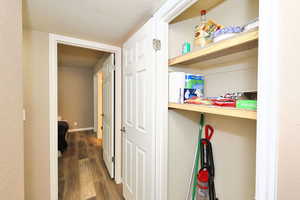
column 232, row 112
column 194, row 10
column 238, row 43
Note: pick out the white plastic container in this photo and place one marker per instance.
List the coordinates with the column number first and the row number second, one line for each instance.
column 176, row 86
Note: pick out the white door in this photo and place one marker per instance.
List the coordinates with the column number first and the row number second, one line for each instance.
column 108, row 114
column 138, row 115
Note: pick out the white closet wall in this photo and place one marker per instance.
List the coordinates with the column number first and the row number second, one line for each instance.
column 234, row 140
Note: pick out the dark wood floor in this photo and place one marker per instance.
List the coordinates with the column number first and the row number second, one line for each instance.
column 81, row 171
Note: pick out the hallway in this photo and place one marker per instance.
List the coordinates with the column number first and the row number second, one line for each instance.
column 81, row 171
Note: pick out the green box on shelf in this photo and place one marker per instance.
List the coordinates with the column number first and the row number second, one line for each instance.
column 194, row 81
column 247, row 104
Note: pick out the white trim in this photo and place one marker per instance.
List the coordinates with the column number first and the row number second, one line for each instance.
column 54, row 40
column 95, row 102
column 161, row 116
column 268, row 95
column 171, row 9
column 118, row 117
column 81, row 129
column 267, row 130
column 163, row 16
column 53, row 117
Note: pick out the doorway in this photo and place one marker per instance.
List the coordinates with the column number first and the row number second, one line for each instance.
column 98, row 104
column 54, row 41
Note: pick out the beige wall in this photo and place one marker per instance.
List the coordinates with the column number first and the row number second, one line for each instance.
column 235, row 139
column 36, row 102
column 75, row 96
column 289, row 127
column 11, row 136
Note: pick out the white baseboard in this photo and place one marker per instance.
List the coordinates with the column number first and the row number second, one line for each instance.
column 81, row 129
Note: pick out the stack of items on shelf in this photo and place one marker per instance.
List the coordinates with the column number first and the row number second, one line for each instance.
column 204, row 31
column 181, row 84
column 254, row 24
column 208, row 31
column 230, row 31
column 242, row 100
column 189, row 89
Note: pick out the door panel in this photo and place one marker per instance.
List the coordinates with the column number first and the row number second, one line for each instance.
column 108, row 111
column 129, row 98
column 138, row 116
column 141, row 101
column 140, row 173
column 128, row 166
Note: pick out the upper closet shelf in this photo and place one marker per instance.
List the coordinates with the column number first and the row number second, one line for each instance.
column 194, row 10
column 238, row 43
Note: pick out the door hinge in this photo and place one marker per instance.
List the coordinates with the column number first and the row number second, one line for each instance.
column 156, row 44
column 113, row 68
column 123, row 129
column 113, row 159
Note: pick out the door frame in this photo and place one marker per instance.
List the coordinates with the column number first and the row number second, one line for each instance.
column 99, row 119
column 54, row 40
column 267, row 137
column 98, row 99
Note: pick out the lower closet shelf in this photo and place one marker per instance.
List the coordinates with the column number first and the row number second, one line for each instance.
column 232, row 112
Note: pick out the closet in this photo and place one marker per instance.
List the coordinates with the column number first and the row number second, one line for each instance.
column 228, row 66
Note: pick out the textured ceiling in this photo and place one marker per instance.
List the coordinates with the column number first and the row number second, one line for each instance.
column 106, row 21
column 71, row 56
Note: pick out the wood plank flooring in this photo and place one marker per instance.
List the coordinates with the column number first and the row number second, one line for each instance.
column 82, row 174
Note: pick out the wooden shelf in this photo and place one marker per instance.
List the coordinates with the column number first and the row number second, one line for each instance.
column 194, row 10
column 232, row 112
column 238, row 43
